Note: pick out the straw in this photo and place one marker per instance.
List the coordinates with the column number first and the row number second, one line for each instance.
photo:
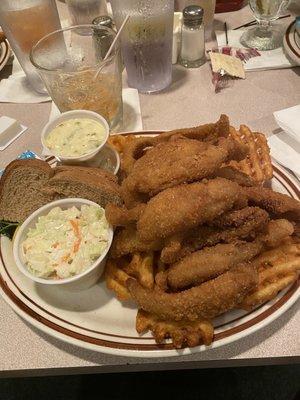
column 113, row 44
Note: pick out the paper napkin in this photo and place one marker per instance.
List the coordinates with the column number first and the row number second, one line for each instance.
column 289, row 121
column 270, row 59
column 286, row 151
column 16, row 88
column 285, row 145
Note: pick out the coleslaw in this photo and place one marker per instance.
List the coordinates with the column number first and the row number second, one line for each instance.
column 65, row 243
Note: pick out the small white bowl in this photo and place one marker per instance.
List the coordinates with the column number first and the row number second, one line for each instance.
column 78, row 282
column 108, row 159
column 70, row 115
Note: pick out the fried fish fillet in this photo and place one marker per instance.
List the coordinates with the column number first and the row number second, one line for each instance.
column 213, row 261
column 235, row 175
column 126, row 242
column 206, row 301
column 229, row 227
column 277, row 204
column 207, row 133
column 184, row 207
column 179, row 161
column 121, row 216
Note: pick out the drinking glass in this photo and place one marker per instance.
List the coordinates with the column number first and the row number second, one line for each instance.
column 24, row 23
column 84, row 11
column 69, row 60
column 264, row 36
column 146, row 42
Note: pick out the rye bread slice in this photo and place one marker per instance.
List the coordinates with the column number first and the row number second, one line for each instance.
column 98, row 172
column 20, row 189
column 77, row 182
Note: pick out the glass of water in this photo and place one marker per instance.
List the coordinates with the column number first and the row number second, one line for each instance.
column 84, row 11
column 146, row 42
column 264, row 36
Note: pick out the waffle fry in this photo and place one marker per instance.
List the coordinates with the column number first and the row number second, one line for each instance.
column 182, row 334
column 277, row 269
column 258, row 164
column 140, row 266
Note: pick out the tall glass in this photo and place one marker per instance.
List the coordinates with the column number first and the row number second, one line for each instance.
column 264, row 36
column 24, row 22
column 146, row 42
column 70, row 62
column 84, row 11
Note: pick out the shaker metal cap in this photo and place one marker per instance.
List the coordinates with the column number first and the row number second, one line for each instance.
column 103, row 20
column 193, row 15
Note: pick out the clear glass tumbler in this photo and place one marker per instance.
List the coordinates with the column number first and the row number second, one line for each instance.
column 68, row 61
column 146, row 42
column 265, row 36
column 84, row 11
column 24, row 23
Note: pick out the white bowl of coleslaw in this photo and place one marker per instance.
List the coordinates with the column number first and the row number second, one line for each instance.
column 65, row 242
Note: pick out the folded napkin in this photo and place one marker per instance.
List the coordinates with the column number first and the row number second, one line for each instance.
column 286, row 151
column 16, row 88
column 270, row 59
column 285, row 145
column 289, row 121
column 132, row 117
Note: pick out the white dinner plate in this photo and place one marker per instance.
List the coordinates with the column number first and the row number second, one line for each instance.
column 4, row 54
column 291, row 43
column 94, row 319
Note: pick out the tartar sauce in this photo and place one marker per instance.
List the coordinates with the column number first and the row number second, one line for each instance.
column 65, row 243
column 75, row 137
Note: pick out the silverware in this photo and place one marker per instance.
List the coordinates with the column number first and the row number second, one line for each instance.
column 226, row 32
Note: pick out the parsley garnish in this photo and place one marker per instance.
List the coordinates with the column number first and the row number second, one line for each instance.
column 8, row 228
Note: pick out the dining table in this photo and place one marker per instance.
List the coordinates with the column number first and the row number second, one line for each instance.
column 190, row 100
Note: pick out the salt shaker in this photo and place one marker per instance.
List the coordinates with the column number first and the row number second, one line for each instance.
column 192, row 53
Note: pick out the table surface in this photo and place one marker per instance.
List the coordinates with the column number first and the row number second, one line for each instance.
column 189, row 101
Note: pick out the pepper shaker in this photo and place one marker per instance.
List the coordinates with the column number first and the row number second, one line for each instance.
column 192, row 53
column 102, row 40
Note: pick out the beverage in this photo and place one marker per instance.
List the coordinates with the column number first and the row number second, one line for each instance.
column 82, row 92
column 84, row 11
column 267, row 9
column 24, row 24
column 146, row 42
column 147, row 53
column 70, row 62
column 264, row 36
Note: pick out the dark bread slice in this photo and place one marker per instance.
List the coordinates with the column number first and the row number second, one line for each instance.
column 100, row 173
column 77, row 182
column 20, row 189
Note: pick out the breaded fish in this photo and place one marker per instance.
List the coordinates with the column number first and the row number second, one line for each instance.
column 229, row 227
column 179, row 161
column 277, row 204
column 206, row 301
column 213, row 261
column 184, row 207
column 206, row 133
